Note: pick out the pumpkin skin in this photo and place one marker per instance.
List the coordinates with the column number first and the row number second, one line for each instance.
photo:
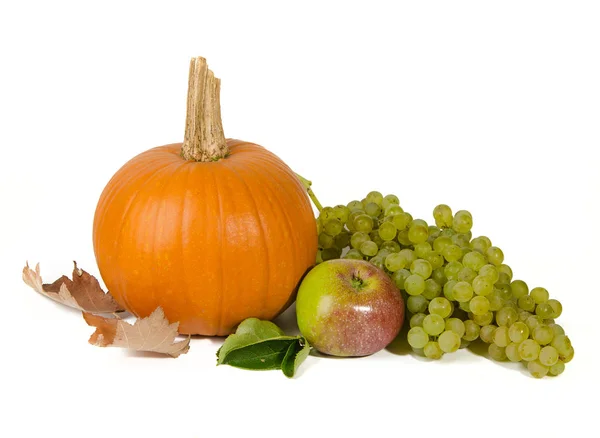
column 212, row 243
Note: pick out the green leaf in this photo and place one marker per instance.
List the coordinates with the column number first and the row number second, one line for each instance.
column 264, row 355
column 261, row 345
column 295, row 355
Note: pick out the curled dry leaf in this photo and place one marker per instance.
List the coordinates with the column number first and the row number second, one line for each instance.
column 153, row 333
column 82, row 293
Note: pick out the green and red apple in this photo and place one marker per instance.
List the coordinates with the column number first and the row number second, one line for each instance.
column 349, row 307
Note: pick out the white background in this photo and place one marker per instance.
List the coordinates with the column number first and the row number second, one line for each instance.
column 487, row 106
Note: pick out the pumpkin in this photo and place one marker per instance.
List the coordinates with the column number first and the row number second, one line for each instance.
column 212, row 230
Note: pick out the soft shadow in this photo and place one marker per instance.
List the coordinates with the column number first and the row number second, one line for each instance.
column 287, row 321
column 480, row 348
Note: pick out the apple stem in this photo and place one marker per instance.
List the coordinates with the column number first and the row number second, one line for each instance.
column 306, row 183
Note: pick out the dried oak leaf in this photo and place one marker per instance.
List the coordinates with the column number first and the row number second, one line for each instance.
column 153, row 333
column 82, row 293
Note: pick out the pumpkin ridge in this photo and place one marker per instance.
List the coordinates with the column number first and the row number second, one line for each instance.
column 152, row 175
column 220, row 222
column 263, row 233
column 184, row 204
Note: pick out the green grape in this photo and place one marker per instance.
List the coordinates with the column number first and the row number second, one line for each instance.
column 452, row 269
column 440, row 306
column 481, row 244
column 401, row 221
column 402, row 238
column 435, row 259
column 351, row 218
column 434, row 233
column 449, row 341
column 479, row 305
column 506, row 316
column 548, row 356
column 523, row 315
column 544, row 310
column 433, row 324
column 432, row 289
column 391, row 246
column 439, row 276
column 417, row 304
column 536, row 369
column 342, row 213
column 501, row 338
column 358, row 239
column 449, row 232
column 526, row 303
column 372, row 209
column 378, row 261
column 490, row 272
column 417, row 338
column 326, row 214
column 505, row 269
column 399, row 277
column 394, row 262
column 441, row 242
column 363, row 223
column 467, row 275
column 484, row 319
column 342, row 240
column 482, row 286
column 319, row 257
column 473, row 260
column 532, row 322
column 519, row 289
column 414, row 285
column 443, row 216
column 418, row 232
column 512, row 305
column 496, row 302
column 392, row 209
column 529, row 350
column 464, row 306
column 497, row 353
column 568, row 356
column 417, row 320
column 503, row 278
column 432, row 350
column 462, row 222
column 452, row 253
column 408, row 255
column 543, row 334
column 486, row 333
column 422, row 249
column 461, row 240
column 518, row 332
column 556, row 307
column 448, row 290
column 392, row 199
column 331, row 254
column 472, row 330
column 319, row 226
column 464, row 343
column 512, row 352
column 375, row 197
column 539, row 295
column 383, row 253
column 503, row 291
column 355, row 205
column 462, row 291
column 557, row 329
column 353, row 254
column 374, row 236
column 422, row 268
column 387, row 231
column 457, row 326
column 369, row 248
column 418, row 351
column 495, row 255
column 548, row 321
column 557, row 369
column 325, row 241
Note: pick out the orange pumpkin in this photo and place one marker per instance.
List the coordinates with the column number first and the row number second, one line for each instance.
column 213, row 230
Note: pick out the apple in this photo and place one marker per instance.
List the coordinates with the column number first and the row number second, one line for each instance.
column 349, row 307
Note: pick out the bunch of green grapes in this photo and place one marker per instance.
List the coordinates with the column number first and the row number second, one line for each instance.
column 457, row 288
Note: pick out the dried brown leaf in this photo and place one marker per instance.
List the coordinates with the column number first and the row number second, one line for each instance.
column 82, row 293
column 153, row 333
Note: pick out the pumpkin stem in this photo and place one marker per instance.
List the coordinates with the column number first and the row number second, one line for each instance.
column 306, row 183
column 204, row 138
